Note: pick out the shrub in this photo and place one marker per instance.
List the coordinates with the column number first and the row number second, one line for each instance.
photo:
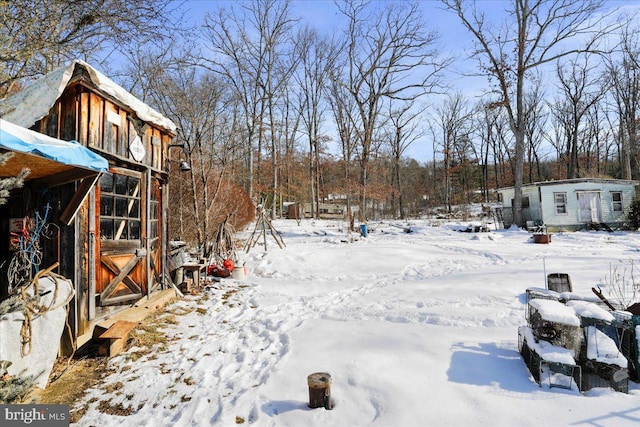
column 634, row 214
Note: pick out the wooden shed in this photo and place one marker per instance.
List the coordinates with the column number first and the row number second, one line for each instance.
column 572, row 204
column 113, row 244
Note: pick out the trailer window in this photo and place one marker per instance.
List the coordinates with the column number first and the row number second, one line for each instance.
column 616, row 200
column 560, row 200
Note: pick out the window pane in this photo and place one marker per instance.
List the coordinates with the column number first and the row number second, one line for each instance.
column 120, row 199
column 617, row 196
column 154, row 210
column 121, row 184
column 134, row 210
column 154, row 230
column 106, row 183
column 121, row 207
column 106, row 205
column 106, row 229
column 133, row 187
column 134, row 230
column 155, row 190
column 120, row 230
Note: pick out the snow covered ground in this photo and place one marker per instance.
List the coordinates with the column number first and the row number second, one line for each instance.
column 415, row 329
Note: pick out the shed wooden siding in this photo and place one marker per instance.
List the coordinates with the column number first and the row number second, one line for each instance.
column 95, row 120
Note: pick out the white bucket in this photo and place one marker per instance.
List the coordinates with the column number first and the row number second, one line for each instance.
column 239, row 272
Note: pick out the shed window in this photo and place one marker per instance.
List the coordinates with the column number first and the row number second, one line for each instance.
column 616, row 200
column 119, row 207
column 560, row 200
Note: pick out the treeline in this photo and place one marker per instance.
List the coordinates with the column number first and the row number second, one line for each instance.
column 271, row 110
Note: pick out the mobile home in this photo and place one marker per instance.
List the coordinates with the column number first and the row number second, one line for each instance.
column 572, row 204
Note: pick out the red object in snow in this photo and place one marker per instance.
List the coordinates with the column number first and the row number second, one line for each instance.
column 211, row 268
column 217, row 271
column 228, row 264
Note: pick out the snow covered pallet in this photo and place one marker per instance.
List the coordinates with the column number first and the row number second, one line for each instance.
column 549, row 364
column 555, row 323
column 604, row 365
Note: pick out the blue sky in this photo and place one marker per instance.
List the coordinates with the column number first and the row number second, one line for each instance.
column 323, row 15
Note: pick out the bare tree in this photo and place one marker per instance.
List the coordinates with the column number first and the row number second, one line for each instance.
column 317, row 56
column 290, row 126
column 205, row 113
column 535, row 119
column 624, row 69
column 252, row 50
column 344, row 112
column 601, row 140
column 540, row 32
column 488, row 128
column 38, row 36
column 483, row 129
column 403, row 130
column 389, row 55
column 580, row 91
column 451, row 127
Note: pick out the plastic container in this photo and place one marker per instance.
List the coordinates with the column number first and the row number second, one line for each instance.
column 239, row 272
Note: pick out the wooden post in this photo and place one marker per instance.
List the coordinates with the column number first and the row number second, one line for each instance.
column 319, row 390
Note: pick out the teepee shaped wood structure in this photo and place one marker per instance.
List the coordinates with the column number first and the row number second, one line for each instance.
column 223, row 245
column 263, row 224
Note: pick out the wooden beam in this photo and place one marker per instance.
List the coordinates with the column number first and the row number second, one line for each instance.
column 78, row 198
column 131, row 284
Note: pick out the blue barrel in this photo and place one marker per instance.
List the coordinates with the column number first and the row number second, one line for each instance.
column 363, row 230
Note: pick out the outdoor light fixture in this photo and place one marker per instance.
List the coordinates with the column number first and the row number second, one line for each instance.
column 184, row 166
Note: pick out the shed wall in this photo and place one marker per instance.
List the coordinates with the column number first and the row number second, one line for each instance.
column 542, row 202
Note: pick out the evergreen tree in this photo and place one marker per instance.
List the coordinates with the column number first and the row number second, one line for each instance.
column 8, row 184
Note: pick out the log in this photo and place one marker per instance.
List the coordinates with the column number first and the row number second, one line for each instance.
column 319, row 390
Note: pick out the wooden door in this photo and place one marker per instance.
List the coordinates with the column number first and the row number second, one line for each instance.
column 589, row 206
column 121, row 271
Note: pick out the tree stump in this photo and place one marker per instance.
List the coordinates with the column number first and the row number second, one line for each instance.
column 319, row 390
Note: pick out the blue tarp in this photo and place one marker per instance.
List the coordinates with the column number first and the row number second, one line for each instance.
column 22, row 140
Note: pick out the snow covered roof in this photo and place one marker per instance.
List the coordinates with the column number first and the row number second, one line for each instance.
column 555, row 311
column 574, row 181
column 602, row 348
column 546, row 350
column 32, row 103
column 590, row 310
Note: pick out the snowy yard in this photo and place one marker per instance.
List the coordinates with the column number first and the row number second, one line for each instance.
column 416, row 329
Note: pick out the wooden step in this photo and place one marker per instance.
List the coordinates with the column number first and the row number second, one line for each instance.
column 113, row 340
